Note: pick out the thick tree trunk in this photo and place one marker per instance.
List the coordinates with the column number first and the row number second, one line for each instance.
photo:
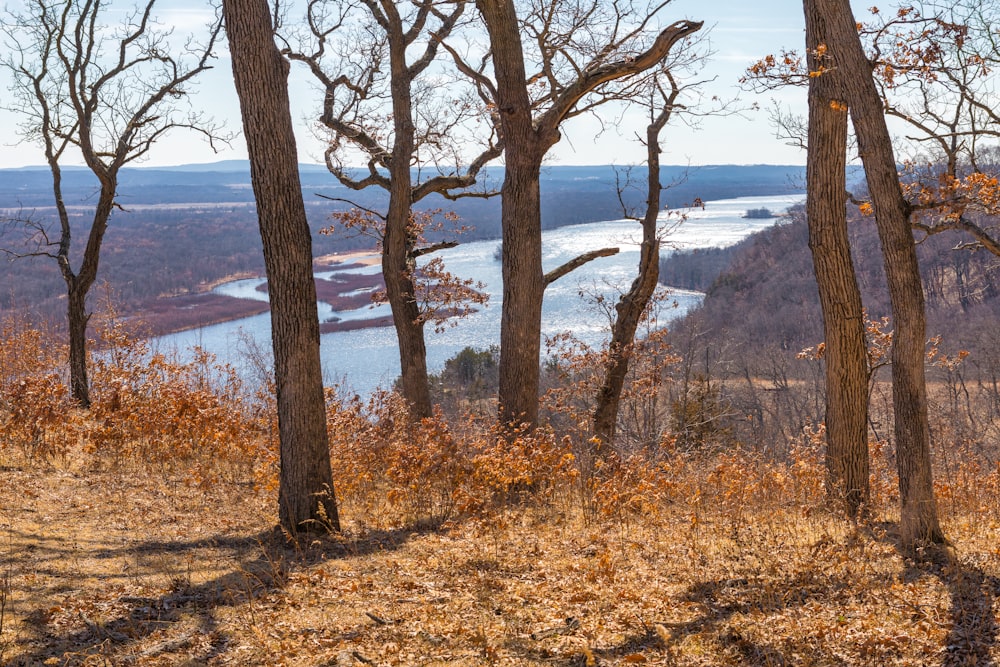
column 847, row 458
column 523, row 289
column 305, row 496
column 521, row 221
column 918, row 520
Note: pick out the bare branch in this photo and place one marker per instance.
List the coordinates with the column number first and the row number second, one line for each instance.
column 420, row 252
column 982, row 237
column 594, row 78
column 482, row 81
column 353, row 204
column 444, row 184
column 575, row 263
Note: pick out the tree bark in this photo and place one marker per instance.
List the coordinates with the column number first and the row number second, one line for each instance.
column 632, row 304
column 847, row 458
column 523, row 289
column 520, row 220
column 397, row 269
column 77, row 318
column 305, row 497
column 918, row 517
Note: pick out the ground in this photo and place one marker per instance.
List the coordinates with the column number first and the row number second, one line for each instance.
column 118, row 567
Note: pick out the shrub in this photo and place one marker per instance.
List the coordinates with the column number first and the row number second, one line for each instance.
column 35, row 410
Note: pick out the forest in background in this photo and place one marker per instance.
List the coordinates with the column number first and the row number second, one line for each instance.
column 762, row 292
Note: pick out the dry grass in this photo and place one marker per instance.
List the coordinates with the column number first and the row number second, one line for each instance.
column 141, row 533
column 126, row 567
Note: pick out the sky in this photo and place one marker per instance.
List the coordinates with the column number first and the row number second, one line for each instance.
column 739, row 33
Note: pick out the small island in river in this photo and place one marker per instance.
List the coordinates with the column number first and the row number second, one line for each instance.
column 760, row 214
column 343, row 289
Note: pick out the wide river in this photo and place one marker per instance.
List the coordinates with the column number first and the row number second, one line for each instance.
column 364, row 359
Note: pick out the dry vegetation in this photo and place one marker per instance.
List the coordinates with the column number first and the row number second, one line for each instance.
column 142, row 533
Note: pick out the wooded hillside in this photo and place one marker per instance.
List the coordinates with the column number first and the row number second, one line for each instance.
column 761, row 292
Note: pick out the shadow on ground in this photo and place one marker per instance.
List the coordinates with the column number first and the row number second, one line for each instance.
column 973, row 594
column 263, row 562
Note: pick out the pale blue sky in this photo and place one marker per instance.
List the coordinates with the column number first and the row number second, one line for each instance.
column 740, row 32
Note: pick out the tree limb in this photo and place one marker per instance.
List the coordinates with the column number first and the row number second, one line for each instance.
column 575, row 263
column 420, row 252
column 982, row 237
column 442, row 184
column 353, row 204
column 592, row 78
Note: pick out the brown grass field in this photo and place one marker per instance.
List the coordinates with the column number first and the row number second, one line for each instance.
column 132, row 565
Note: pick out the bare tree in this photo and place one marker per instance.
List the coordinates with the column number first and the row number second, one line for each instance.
column 632, row 304
column 580, row 50
column 382, row 65
column 845, row 350
column 106, row 94
column 664, row 98
column 305, row 496
column 919, row 521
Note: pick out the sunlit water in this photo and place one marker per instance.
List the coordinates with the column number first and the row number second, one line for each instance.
column 368, row 358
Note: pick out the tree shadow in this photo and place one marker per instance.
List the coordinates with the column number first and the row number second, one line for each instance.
column 974, row 628
column 263, row 563
column 973, row 594
column 721, row 599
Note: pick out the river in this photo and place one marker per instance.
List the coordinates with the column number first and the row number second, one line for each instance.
column 365, row 359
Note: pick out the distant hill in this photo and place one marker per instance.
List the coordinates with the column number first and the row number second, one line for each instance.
column 229, row 181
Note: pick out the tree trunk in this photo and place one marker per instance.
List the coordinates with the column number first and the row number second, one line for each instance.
column 918, row 516
column 847, row 458
column 77, row 320
column 400, row 291
column 521, row 221
column 398, row 243
column 632, row 304
column 305, row 495
column 523, row 289
column 78, row 284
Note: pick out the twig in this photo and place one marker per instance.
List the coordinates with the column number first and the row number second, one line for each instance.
column 377, row 619
column 360, row 658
